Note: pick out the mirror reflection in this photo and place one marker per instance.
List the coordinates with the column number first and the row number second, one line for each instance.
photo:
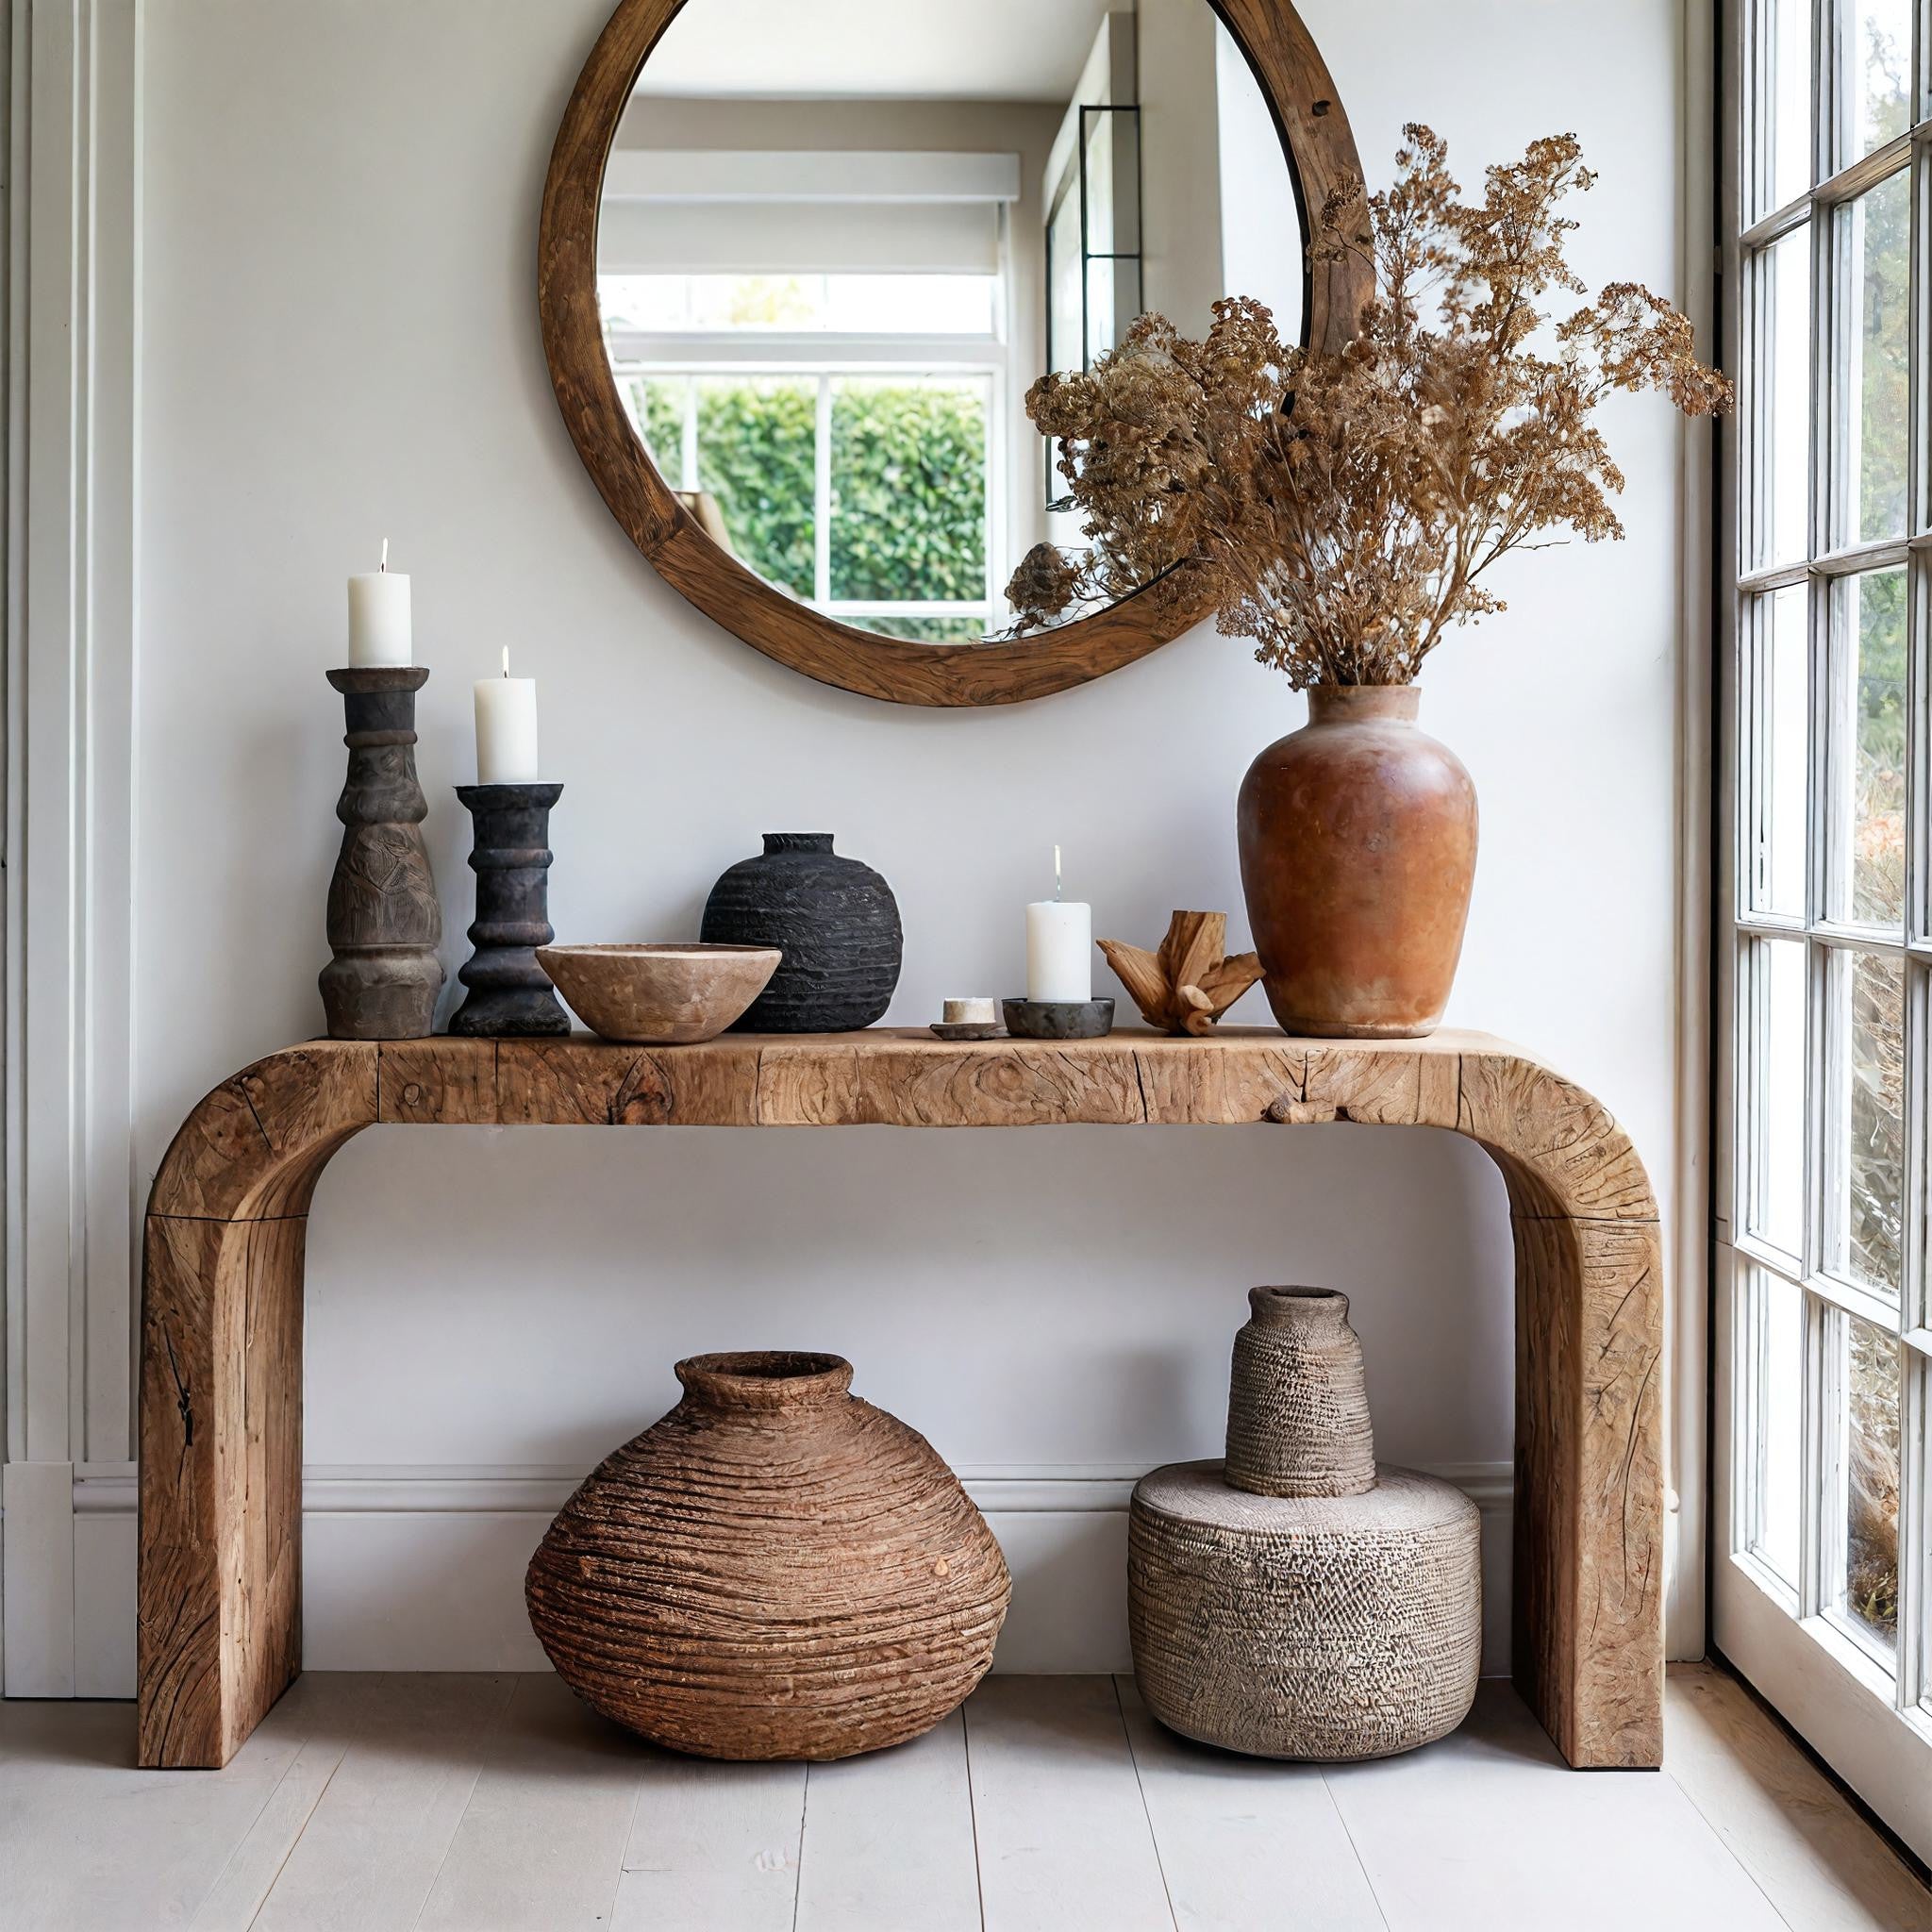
column 837, row 242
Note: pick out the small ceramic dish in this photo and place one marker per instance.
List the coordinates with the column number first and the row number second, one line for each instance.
column 1058, row 1019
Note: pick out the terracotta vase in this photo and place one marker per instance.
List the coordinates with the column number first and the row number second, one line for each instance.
column 1358, row 843
column 775, row 1569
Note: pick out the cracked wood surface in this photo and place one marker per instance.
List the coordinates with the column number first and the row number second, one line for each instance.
column 221, row 1381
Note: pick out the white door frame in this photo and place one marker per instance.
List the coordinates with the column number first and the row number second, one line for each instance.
column 73, row 289
column 1870, row 1727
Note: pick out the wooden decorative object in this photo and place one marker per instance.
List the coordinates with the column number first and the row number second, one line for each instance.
column 510, row 995
column 1187, row 985
column 1321, row 154
column 773, row 1570
column 385, row 920
column 220, row 1379
column 1295, row 1600
column 659, row 995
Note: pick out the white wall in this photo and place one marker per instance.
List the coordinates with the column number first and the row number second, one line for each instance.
column 1181, row 190
column 340, row 343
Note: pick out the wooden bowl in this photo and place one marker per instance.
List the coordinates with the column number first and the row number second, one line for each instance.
column 667, row 995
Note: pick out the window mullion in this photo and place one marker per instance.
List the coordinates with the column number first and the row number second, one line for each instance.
column 821, row 495
column 1819, row 1458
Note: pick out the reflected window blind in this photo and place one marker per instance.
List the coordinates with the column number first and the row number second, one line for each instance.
column 701, row 213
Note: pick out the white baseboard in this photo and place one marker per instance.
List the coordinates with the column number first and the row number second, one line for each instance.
column 421, row 1567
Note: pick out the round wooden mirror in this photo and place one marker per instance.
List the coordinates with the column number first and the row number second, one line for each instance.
column 799, row 263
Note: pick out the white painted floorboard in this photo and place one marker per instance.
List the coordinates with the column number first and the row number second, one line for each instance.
column 889, row 1841
column 477, row 1803
column 1063, row 1833
column 1246, row 1845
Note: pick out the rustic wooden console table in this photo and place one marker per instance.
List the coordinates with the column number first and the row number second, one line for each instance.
column 220, row 1377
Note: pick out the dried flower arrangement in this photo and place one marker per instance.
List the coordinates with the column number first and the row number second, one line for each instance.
column 1343, row 509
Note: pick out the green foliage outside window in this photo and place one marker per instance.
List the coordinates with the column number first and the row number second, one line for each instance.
column 908, row 483
column 754, row 456
column 909, row 491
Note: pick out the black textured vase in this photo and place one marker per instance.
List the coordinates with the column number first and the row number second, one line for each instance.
column 835, row 921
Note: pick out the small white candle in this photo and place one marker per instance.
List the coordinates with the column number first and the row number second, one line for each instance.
column 1059, row 946
column 506, row 729
column 380, row 616
column 967, row 1014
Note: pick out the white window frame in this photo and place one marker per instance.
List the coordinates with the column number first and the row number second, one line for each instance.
column 821, row 356
column 1871, row 1721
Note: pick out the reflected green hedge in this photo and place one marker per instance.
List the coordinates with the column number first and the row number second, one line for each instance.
column 908, row 479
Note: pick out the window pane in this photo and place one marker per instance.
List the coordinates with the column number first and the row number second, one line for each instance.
column 1872, row 394
column 1773, row 1434
column 1869, row 748
column 757, row 455
column 655, row 406
column 1867, row 1121
column 1875, row 75
column 911, row 305
column 909, row 489
column 1863, row 1577
column 1786, row 140
column 1781, row 408
column 1774, row 1103
column 1779, row 743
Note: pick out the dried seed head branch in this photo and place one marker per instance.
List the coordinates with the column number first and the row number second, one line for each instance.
column 1341, row 509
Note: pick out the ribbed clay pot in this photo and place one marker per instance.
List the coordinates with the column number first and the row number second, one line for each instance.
column 835, row 921
column 1357, row 847
column 775, row 1569
column 1298, row 1601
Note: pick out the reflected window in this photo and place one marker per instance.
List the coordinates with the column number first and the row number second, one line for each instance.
column 835, row 432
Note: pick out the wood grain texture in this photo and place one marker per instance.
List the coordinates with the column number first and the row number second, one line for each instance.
column 221, row 1321
column 1294, row 80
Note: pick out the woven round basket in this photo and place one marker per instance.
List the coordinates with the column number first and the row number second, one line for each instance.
column 773, row 1570
column 1329, row 1628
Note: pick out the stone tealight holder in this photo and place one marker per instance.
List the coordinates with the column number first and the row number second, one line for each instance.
column 1058, row 1019
column 510, row 995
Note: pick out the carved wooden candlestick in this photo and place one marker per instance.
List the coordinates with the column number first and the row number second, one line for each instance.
column 510, row 994
column 384, row 920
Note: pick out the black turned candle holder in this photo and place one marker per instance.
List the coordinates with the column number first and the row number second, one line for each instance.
column 510, row 995
column 385, row 922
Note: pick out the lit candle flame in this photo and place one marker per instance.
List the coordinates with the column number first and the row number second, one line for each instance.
column 1055, row 872
column 505, row 660
column 384, row 564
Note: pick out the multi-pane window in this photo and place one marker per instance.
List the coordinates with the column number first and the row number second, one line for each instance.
column 840, row 431
column 1827, row 1327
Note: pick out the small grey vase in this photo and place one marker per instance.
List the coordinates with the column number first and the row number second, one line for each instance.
column 1297, row 1600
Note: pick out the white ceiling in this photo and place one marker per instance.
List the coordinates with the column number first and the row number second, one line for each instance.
column 954, row 50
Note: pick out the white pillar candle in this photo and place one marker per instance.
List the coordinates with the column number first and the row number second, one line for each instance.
column 379, row 617
column 1059, row 946
column 506, row 729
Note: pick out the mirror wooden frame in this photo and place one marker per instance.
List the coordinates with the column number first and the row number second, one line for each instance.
column 1322, row 152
